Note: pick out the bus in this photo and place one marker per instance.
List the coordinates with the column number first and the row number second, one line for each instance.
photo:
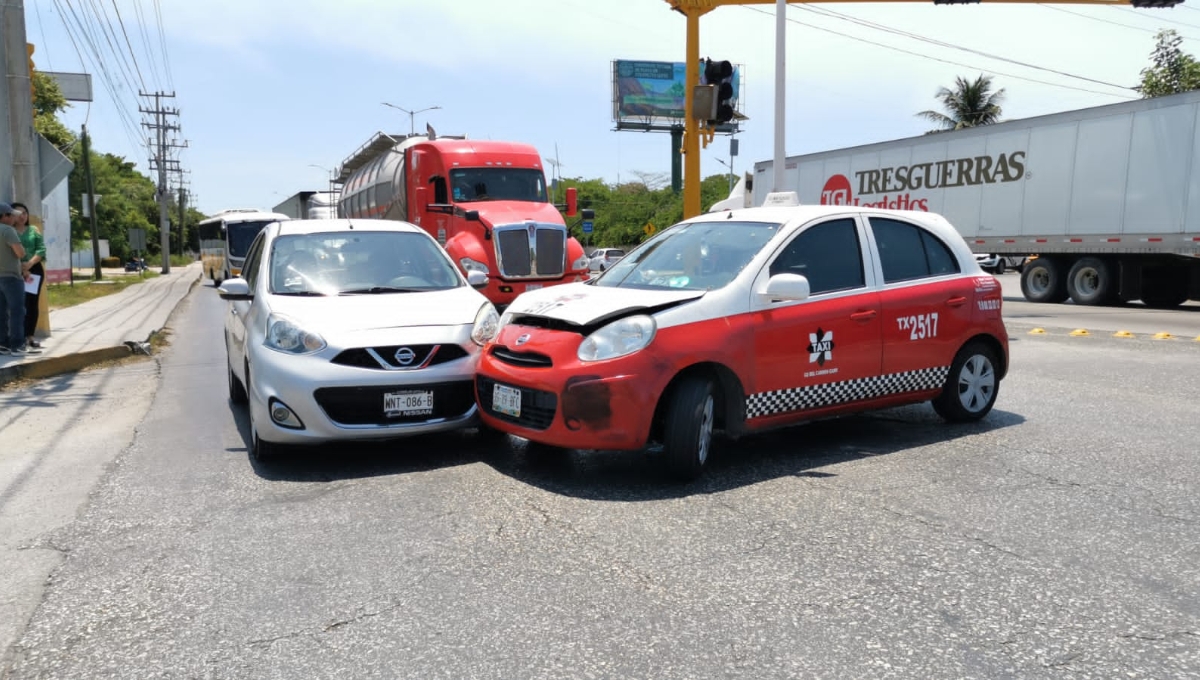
column 225, row 238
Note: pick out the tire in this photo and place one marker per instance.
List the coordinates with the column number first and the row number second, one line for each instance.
column 237, row 392
column 1092, row 281
column 1164, row 298
column 1043, row 281
column 1000, row 267
column 1164, row 288
column 688, row 428
column 260, row 450
column 971, row 386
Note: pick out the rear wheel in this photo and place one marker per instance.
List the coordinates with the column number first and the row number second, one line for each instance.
column 1091, row 281
column 1044, row 281
column 971, row 386
column 688, row 428
column 1000, row 267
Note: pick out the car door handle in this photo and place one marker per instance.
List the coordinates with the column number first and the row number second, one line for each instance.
column 863, row 316
column 956, row 301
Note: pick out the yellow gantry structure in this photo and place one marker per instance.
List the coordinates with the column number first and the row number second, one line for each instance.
column 694, row 9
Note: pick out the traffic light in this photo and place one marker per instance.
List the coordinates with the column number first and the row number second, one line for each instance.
column 720, row 74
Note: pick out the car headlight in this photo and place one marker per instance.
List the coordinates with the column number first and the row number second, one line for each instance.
column 621, row 337
column 505, row 319
column 470, row 265
column 284, row 335
column 581, row 263
column 487, row 324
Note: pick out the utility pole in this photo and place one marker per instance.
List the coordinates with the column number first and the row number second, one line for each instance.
column 91, row 207
column 160, row 161
column 26, row 182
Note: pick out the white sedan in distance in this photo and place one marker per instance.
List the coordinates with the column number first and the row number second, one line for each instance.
column 352, row 329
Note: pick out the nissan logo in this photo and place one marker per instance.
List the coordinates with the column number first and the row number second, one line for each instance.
column 405, row 356
column 523, row 339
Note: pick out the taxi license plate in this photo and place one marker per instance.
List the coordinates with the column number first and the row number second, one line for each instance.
column 533, row 286
column 408, row 403
column 507, row 400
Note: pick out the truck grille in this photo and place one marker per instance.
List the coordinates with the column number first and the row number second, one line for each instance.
column 531, row 251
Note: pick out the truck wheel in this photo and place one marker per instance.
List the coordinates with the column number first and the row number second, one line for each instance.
column 688, row 429
column 1043, row 281
column 1091, row 281
column 971, row 386
column 1164, row 297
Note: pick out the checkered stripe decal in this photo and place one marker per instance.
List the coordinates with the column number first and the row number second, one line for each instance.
column 828, row 394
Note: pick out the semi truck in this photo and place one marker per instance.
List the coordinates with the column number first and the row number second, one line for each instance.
column 309, row 205
column 1104, row 200
column 486, row 202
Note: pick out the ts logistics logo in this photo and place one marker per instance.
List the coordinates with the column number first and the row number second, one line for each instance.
column 838, row 191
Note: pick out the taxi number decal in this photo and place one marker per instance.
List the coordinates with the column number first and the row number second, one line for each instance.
column 921, row 325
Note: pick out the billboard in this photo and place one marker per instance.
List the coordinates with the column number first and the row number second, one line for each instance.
column 649, row 95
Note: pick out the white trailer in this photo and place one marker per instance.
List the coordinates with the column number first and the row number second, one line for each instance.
column 1106, row 198
column 310, row 205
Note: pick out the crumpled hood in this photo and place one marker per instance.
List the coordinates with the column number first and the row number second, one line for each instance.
column 584, row 305
column 500, row 213
column 351, row 313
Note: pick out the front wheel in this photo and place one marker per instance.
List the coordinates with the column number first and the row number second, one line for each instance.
column 971, row 386
column 688, row 429
column 260, row 450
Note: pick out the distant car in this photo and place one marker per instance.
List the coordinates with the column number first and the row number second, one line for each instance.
column 352, row 329
column 603, row 258
column 747, row 320
column 998, row 264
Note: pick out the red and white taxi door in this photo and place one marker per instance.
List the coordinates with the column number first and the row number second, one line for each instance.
column 815, row 355
column 927, row 304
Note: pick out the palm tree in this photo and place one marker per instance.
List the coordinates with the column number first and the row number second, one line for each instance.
column 969, row 104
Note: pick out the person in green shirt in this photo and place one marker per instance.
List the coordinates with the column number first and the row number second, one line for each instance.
column 32, row 263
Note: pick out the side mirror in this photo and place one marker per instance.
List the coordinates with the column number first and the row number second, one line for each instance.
column 471, row 215
column 572, row 201
column 791, row 287
column 476, row 279
column 235, row 289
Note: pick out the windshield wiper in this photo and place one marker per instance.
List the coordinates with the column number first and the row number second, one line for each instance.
column 380, row 289
column 301, row 293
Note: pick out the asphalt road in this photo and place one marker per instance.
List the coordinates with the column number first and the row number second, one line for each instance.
column 1058, row 538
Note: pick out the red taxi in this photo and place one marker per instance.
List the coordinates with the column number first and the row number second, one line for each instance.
column 746, row 320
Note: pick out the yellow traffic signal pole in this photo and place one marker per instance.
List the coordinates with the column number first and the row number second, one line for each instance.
column 694, row 9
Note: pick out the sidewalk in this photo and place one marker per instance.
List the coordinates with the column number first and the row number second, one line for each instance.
column 98, row 329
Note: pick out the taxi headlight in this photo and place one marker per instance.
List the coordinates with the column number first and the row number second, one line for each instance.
column 284, row 335
column 619, row 338
column 487, row 324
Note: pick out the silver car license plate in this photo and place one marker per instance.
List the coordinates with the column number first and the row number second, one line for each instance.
column 408, row 403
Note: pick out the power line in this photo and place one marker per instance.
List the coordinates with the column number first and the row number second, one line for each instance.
column 141, row 20
column 162, row 40
column 941, row 43
column 1169, row 21
column 128, row 44
column 42, row 27
column 938, row 59
column 1114, row 23
column 104, row 24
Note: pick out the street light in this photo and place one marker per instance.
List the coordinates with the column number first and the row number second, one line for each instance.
column 412, row 129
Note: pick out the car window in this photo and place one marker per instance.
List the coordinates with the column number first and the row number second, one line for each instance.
column 359, row 262
column 691, row 255
column 253, row 259
column 909, row 252
column 827, row 254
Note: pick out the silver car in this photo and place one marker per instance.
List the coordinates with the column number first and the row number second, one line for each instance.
column 352, row 329
column 603, row 258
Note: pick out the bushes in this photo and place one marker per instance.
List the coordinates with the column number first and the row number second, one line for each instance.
column 110, row 262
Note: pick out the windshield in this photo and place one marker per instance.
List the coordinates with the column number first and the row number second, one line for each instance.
column 498, row 184
column 359, row 263
column 696, row 256
column 241, row 235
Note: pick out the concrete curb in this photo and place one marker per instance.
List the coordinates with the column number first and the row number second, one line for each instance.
column 51, row 366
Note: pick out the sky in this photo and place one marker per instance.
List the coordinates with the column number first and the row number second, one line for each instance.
column 274, row 94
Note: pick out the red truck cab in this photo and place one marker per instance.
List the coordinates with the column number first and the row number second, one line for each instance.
column 486, row 202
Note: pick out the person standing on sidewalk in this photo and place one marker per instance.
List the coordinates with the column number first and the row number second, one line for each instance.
column 12, row 286
column 35, row 255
